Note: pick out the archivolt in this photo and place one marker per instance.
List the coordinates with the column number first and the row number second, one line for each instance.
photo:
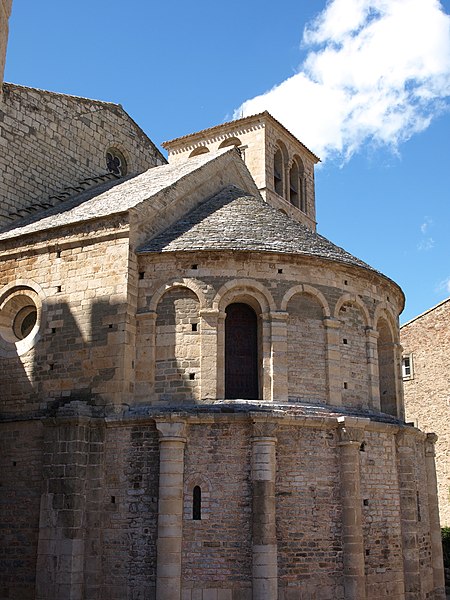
column 352, row 299
column 239, row 288
column 309, row 290
column 190, row 284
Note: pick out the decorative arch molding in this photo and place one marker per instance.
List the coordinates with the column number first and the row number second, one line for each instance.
column 241, row 288
column 355, row 300
column 284, row 152
column 310, row 291
column 189, row 284
column 22, row 284
column 384, row 311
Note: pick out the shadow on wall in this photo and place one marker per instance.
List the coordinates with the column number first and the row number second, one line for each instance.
column 76, row 356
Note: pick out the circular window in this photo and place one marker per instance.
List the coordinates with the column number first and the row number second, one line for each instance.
column 116, row 163
column 24, row 321
column 20, row 316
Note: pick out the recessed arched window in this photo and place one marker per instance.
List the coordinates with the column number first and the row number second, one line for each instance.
column 116, row 163
column 231, row 141
column 198, row 151
column 278, row 169
column 241, row 352
column 297, row 184
column 197, row 503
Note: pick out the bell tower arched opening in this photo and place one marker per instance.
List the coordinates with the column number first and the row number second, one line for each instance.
column 241, row 352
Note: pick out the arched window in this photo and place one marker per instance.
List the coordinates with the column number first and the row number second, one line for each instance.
column 231, row 141
column 297, row 185
column 278, row 169
column 241, row 352
column 197, row 503
column 294, row 185
column 198, row 151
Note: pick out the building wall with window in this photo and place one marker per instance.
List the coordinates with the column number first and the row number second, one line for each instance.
column 426, row 382
column 62, row 145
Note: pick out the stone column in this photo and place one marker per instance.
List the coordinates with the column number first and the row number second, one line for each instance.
column 372, row 365
column 62, row 521
column 435, row 528
column 170, row 509
column 398, row 352
column 221, row 355
column 209, row 320
column 406, row 460
column 265, row 374
column 351, row 435
column 280, row 390
column 265, row 572
column 334, row 382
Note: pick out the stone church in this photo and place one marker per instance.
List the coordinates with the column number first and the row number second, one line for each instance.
column 201, row 397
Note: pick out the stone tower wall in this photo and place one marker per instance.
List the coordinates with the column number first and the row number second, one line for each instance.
column 426, row 340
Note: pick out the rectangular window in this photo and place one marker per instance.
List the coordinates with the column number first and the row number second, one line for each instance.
column 407, row 367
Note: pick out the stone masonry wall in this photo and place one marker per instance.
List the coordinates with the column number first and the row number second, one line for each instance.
column 51, row 142
column 21, row 468
column 82, row 326
column 427, row 398
column 307, row 375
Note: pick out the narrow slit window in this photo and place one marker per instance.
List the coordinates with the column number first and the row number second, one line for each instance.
column 197, row 503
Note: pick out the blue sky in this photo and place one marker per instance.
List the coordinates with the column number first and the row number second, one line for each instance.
column 367, row 87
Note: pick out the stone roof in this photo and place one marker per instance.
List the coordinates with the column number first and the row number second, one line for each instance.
column 233, row 220
column 112, row 197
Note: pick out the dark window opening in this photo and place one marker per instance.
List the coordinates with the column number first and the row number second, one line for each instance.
column 241, row 352
column 197, row 503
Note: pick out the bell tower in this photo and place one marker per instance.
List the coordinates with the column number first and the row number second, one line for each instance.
column 282, row 167
column 5, row 11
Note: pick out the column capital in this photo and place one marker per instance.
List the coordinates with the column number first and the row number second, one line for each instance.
column 264, row 429
column 351, row 431
column 149, row 314
column 278, row 315
column 372, row 333
column 171, row 430
column 430, row 442
column 331, row 323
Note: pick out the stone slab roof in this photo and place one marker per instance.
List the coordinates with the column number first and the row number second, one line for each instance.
column 112, row 197
column 233, row 220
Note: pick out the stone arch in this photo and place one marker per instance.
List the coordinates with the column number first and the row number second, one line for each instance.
column 352, row 299
column 190, row 284
column 306, row 289
column 384, row 310
column 245, row 290
column 297, row 193
column 355, row 379
column 231, row 141
column 177, row 346
column 306, row 344
column 198, row 151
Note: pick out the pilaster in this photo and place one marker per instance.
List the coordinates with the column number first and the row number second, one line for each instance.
column 435, row 528
column 209, row 321
column 280, row 390
column 172, row 441
column 351, row 435
column 265, row 574
column 406, row 459
column 372, row 365
column 334, row 383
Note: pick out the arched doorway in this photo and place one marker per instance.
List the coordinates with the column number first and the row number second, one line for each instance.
column 241, row 352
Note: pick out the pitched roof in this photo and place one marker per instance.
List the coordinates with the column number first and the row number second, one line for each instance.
column 233, row 220
column 112, row 197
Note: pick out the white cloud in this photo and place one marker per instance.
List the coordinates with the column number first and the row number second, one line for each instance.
column 444, row 285
column 428, row 221
column 426, row 244
column 376, row 70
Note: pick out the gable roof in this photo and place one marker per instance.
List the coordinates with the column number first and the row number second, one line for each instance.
column 112, row 197
column 234, row 220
